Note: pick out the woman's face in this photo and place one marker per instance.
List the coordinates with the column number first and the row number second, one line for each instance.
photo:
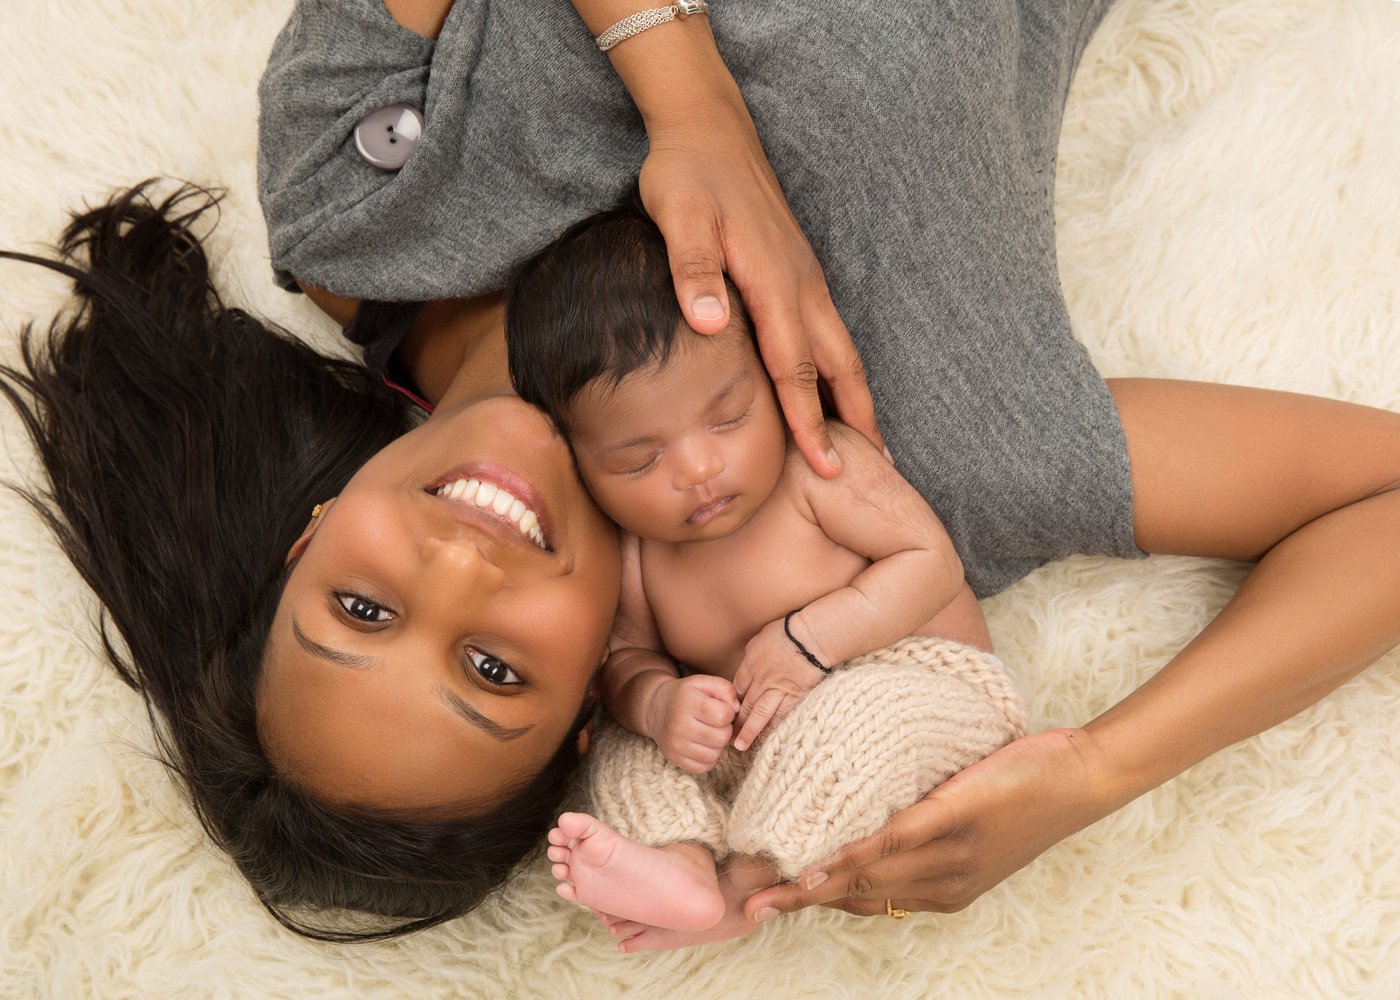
column 436, row 639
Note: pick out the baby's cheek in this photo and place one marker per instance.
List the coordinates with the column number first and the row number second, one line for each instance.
column 617, row 499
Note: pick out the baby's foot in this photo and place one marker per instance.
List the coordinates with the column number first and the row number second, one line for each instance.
column 635, row 936
column 672, row 887
column 741, row 876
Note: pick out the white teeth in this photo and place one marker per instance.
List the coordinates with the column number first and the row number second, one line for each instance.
column 462, row 489
column 500, row 502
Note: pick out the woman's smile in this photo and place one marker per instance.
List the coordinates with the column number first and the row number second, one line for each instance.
column 497, row 499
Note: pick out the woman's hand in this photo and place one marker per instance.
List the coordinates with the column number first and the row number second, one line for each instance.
column 962, row 838
column 707, row 184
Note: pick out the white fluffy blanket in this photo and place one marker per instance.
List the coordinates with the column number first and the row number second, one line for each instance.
column 1229, row 199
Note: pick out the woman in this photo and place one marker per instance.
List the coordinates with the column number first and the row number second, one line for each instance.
column 224, row 578
column 935, row 223
column 294, row 508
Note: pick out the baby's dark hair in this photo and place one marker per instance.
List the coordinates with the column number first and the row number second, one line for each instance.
column 185, row 444
column 598, row 302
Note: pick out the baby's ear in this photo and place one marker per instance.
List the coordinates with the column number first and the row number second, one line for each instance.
column 585, row 737
column 318, row 514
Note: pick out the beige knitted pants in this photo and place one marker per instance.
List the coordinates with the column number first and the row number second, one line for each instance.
column 881, row 731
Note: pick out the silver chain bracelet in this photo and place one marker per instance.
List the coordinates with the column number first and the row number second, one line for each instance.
column 635, row 24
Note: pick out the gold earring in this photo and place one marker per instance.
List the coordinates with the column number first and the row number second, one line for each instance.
column 315, row 512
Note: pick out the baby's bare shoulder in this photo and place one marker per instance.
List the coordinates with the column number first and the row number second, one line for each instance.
column 857, row 455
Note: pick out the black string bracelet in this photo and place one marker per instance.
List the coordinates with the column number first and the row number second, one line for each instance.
column 806, row 653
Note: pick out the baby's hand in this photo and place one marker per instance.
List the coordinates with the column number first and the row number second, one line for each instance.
column 771, row 680
column 691, row 720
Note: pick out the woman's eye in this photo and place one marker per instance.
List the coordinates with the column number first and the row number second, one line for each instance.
column 362, row 610
column 492, row 670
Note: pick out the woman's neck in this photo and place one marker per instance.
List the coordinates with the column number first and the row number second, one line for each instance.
column 456, row 349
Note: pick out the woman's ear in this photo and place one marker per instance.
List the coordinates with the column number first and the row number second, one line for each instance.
column 318, row 514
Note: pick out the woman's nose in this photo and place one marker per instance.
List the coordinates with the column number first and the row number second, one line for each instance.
column 458, row 566
column 697, row 462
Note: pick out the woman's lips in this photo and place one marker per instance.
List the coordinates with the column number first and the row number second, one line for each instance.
column 501, row 497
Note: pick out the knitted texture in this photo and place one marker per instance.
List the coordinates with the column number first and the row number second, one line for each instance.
column 634, row 789
column 869, row 740
column 881, row 731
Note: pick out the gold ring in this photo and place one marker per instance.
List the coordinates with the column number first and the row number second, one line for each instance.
column 898, row 912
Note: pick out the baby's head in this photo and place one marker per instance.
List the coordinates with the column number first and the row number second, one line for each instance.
column 677, row 434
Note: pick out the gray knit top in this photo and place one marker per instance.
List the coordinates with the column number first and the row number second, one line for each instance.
column 916, row 146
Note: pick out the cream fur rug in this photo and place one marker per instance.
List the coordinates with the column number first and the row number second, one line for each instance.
column 1230, row 209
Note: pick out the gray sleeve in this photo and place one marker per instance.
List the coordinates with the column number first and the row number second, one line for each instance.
column 333, row 63
column 526, row 129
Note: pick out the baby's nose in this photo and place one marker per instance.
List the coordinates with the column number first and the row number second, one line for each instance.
column 697, row 465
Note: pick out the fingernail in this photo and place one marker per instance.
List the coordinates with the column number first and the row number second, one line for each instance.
column 707, row 307
column 833, row 458
column 740, row 745
column 889, row 457
column 764, row 914
column 815, row 879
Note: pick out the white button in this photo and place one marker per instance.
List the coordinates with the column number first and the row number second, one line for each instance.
column 387, row 137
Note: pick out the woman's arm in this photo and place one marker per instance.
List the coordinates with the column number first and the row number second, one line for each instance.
column 705, row 180
column 1305, row 486
column 708, row 185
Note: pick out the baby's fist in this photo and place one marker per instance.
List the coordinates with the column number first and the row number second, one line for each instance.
column 695, row 721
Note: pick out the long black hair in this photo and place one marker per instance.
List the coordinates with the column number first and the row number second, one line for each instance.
column 185, row 444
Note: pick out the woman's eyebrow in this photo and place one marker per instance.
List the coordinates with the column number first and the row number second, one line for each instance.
column 340, row 656
column 464, row 708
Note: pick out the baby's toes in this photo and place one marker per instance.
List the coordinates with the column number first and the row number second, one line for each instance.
column 573, row 826
column 625, row 930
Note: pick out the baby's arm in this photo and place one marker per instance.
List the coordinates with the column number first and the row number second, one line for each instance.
column 914, row 573
column 689, row 718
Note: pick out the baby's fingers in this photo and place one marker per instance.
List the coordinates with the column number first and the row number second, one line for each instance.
column 698, row 760
column 763, row 709
column 715, row 714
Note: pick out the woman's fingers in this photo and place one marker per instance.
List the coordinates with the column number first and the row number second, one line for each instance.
column 876, row 907
column 782, row 342
column 840, row 367
column 698, row 272
column 914, row 845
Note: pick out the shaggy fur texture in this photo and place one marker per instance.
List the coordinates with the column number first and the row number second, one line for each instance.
column 1229, row 210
